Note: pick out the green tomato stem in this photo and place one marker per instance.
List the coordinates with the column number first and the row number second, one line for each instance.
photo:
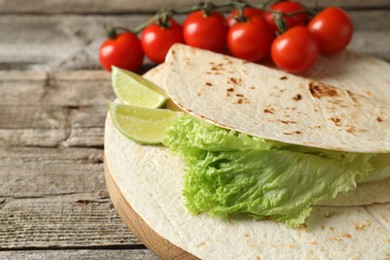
column 162, row 16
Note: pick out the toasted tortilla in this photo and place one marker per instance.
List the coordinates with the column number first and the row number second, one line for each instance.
column 275, row 105
column 361, row 74
column 151, row 179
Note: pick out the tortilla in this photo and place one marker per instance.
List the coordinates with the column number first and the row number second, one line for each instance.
column 150, row 178
column 274, row 105
column 361, row 74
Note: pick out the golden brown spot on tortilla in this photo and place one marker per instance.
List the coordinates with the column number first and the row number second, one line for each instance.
column 336, row 121
column 369, row 93
column 269, row 110
column 297, row 97
column 379, row 119
column 346, row 235
column 258, row 258
column 388, row 241
column 242, row 101
column 292, row 133
column 350, row 129
column 314, row 243
column 208, row 84
column 239, row 95
column 322, row 227
column 353, row 97
column 246, row 235
column 331, row 228
column 234, row 81
column 283, row 78
column 361, row 227
column 319, row 90
column 216, row 67
column 199, row 94
column 282, row 90
column 286, row 122
column 228, row 91
column 252, row 87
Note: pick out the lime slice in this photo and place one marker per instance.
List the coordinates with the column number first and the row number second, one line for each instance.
column 143, row 125
column 132, row 89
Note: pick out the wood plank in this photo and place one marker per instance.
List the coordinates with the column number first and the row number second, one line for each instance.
column 136, row 6
column 52, row 126
column 30, row 43
column 76, row 220
column 86, row 254
column 63, row 88
column 53, row 109
column 56, row 198
column 39, row 172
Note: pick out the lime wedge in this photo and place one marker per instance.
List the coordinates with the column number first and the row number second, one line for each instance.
column 140, row 124
column 132, row 89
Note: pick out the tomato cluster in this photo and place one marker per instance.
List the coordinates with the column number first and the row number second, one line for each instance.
column 285, row 32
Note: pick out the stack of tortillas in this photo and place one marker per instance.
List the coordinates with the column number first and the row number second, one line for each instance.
column 255, row 99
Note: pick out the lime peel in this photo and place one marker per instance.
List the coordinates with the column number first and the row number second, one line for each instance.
column 132, row 89
column 140, row 124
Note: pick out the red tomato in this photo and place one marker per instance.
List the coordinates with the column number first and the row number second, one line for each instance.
column 247, row 12
column 205, row 32
column 295, row 50
column 250, row 40
column 287, row 7
column 333, row 29
column 156, row 40
column 124, row 51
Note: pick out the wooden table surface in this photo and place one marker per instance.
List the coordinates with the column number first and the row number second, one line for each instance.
column 53, row 98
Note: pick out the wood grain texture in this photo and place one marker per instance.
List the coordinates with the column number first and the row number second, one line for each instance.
column 56, row 198
column 71, row 42
column 53, row 109
column 85, row 254
column 156, row 243
column 136, row 6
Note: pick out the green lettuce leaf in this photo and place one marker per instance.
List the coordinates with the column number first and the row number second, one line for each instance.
column 230, row 173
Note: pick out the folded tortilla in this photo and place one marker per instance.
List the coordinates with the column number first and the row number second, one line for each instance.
column 150, row 178
column 274, row 105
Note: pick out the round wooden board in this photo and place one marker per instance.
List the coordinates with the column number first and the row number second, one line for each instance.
column 159, row 245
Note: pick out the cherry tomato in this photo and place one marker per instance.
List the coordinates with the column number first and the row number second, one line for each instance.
column 205, row 32
column 250, row 40
column 123, row 51
column 156, row 40
column 287, row 7
column 333, row 29
column 295, row 50
column 247, row 12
